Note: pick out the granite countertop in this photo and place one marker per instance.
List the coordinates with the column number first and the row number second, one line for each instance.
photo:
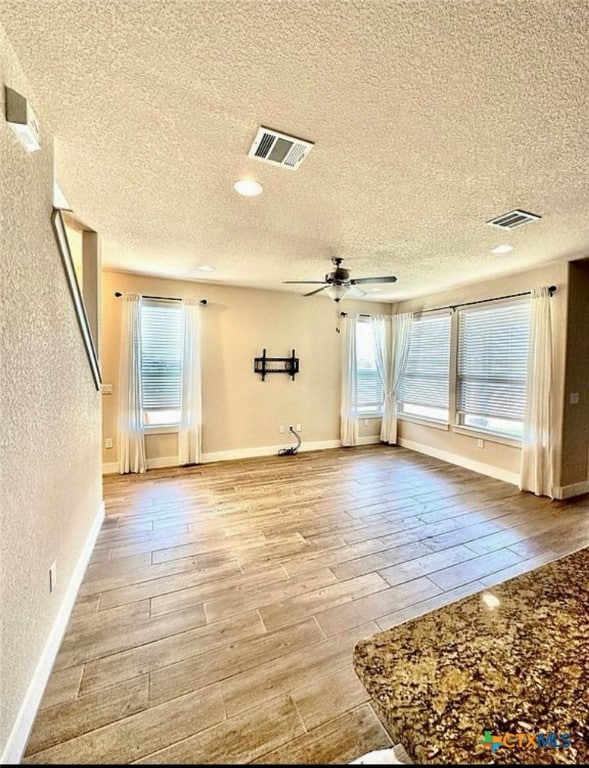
column 513, row 663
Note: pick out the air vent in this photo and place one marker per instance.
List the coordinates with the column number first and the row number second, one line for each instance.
column 513, row 219
column 279, row 149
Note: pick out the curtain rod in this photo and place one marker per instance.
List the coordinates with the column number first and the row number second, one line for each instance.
column 551, row 290
column 118, row 294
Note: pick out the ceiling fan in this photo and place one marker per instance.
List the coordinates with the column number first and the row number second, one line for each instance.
column 338, row 283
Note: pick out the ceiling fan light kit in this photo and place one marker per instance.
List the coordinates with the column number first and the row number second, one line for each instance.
column 338, row 284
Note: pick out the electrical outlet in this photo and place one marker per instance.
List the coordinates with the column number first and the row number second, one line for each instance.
column 106, row 389
column 480, row 442
column 291, row 426
column 53, row 577
column 574, row 398
column 298, row 427
column 281, row 429
column 365, row 422
column 108, row 442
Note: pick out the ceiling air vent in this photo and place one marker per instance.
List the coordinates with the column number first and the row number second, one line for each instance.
column 513, row 219
column 279, row 149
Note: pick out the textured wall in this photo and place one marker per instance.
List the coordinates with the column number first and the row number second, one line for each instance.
column 50, row 486
column 505, row 457
column 241, row 411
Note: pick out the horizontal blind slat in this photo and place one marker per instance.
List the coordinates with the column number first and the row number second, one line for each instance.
column 427, row 370
column 492, row 361
column 162, row 341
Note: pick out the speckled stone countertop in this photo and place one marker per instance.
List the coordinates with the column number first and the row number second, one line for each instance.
column 519, row 666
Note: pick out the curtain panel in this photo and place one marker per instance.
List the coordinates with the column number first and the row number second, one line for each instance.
column 131, row 441
column 190, row 427
column 391, row 334
column 349, row 394
column 537, row 460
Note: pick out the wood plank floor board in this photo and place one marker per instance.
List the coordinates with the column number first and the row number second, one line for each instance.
column 217, row 618
column 337, row 742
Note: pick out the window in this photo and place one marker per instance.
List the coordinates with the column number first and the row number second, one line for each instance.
column 369, row 386
column 425, row 384
column 492, row 368
column 162, row 339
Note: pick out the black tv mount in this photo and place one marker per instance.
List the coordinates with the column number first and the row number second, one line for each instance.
column 264, row 365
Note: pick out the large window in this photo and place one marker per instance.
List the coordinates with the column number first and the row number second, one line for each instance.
column 370, row 394
column 492, row 367
column 162, row 339
column 425, row 384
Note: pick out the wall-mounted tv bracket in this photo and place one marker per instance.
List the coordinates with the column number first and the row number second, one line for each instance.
column 265, row 364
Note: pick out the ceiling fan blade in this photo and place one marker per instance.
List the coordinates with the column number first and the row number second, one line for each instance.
column 367, row 280
column 317, row 290
column 303, row 282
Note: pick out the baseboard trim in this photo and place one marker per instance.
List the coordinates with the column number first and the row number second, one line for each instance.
column 111, row 468
column 461, row 461
column 568, row 491
column 19, row 734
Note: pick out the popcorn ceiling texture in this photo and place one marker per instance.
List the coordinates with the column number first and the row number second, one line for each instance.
column 429, row 118
column 50, row 485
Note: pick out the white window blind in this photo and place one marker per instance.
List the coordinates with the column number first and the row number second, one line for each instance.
column 425, row 383
column 162, row 339
column 492, row 367
column 369, row 387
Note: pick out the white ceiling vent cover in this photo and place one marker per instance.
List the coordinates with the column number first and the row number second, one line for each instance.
column 513, row 219
column 279, row 148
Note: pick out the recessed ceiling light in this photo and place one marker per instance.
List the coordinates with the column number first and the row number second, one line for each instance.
column 502, row 249
column 248, row 187
column 206, row 268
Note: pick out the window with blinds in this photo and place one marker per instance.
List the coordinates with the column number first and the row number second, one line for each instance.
column 162, row 340
column 424, row 391
column 369, row 386
column 492, row 367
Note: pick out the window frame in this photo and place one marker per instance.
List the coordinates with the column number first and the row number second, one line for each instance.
column 430, row 421
column 373, row 413
column 454, row 424
column 171, row 427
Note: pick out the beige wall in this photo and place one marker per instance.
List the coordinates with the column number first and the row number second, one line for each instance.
column 240, row 411
column 50, row 484
column 575, row 458
column 495, row 454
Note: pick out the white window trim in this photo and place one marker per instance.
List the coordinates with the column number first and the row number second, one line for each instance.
column 160, row 429
column 492, row 437
column 443, row 425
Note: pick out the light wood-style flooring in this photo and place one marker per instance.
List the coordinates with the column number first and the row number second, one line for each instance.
column 217, row 617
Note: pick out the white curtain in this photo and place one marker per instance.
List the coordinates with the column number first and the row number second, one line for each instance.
column 131, row 442
column 391, row 336
column 537, row 445
column 190, row 428
column 349, row 399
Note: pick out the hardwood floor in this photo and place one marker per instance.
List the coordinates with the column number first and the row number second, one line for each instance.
column 218, row 614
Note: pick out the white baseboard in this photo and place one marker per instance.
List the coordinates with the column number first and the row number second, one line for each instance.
column 568, row 491
column 241, row 453
column 461, row 461
column 19, row 734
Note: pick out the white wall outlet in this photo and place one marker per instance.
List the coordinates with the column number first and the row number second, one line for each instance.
column 53, row 577
column 291, row 426
column 298, row 427
column 281, row 429
column 365, row 422
column 574, row 398
column 106, row 389
column 480, row 442
column 108, row 442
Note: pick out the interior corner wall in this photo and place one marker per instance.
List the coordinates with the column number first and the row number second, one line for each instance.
column 50, row 481
column 575, row 439
column 242, row 413
column 496, row 458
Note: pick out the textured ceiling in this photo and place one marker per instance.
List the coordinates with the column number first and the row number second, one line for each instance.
column 429, row 118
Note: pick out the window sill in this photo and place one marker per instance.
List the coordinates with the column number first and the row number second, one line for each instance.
column 370, row 416
column 160, row 430
column 490, row 436
column 424, row 422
